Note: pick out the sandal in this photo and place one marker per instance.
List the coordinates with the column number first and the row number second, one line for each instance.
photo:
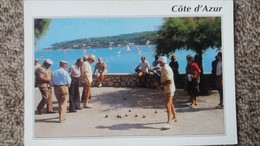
column 166, row 127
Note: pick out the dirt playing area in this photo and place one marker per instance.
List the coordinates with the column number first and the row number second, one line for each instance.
column 132, row 112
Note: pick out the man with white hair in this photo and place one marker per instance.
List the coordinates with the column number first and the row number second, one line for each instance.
column 61, row 81
column 42, row 80
column 168, row 87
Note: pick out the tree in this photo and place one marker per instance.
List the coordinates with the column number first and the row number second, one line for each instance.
column 189, row 33
column 41, row 26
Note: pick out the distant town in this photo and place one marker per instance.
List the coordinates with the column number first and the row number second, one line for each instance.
column 141, row 38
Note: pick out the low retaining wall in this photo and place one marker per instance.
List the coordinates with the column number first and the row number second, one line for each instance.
column 131, row 80
column 124, row 80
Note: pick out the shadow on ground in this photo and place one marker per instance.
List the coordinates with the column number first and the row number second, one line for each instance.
column 145, row 98
column 128, row 126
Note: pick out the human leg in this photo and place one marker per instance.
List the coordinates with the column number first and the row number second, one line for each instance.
column 46, row 99
column 169, row 107
column 98, row 77
column 63, row 102
column 72, row 93
column 87, row 94
column 195, row 91
column 220, row 90
column 102, row 77
column 77, row 95
column 57, row 93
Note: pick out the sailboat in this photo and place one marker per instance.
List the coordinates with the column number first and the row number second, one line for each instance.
column 119, row 53
column 127, row 48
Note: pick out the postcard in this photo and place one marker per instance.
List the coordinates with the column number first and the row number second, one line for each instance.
column 129, row 72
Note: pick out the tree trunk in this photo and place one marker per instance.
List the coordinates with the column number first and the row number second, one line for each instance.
column 203, row 89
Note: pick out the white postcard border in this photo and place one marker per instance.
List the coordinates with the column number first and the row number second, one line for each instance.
column 65, row 9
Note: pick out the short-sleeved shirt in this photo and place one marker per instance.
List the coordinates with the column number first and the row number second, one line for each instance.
column 37, row 66
column 86, row 68
column 193, row 69
column 101, row 67
column 75, row 71
column 167, row 74
column 60, row 77
column 144, row 66
column 42, row 72
column 219, row 69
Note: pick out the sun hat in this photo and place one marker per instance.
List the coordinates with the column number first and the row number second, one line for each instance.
column 93, row 57
column 162, row 59
column 62, row 61
column 48, row 61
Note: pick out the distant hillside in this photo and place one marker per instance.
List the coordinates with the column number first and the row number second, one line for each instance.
column 105, row 42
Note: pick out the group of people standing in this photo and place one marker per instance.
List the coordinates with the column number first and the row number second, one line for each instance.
column 164, row 81
column 161, row 70
column 66, row 84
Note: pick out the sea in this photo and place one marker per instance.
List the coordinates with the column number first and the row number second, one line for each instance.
column 121, row 59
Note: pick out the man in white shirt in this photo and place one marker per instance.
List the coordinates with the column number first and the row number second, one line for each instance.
column 219, row 80
column 168, row 87
column 61, row 81
column 74, row 98
column 86, row 79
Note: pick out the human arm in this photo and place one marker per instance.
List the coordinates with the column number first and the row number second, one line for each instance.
column 168, row 82
column 71, row 70
column 95, row 69
column 43, row 76
column 137, row 68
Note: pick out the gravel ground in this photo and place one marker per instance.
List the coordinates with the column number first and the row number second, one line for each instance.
column 136, row 107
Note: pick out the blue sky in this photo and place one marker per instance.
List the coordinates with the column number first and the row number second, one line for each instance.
column 64, row 29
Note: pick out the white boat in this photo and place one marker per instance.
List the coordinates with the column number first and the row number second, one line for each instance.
column 119, row 53
column 127, row 48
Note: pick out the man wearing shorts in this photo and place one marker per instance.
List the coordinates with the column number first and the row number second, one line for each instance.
column 168, row 87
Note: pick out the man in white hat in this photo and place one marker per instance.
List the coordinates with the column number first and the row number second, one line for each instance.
column 61, row 81
column 86, row 79
column 42, row 80
column 168, row 87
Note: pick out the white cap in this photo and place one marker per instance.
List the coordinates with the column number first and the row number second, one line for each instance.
column 62, row 61
column 162, row 59
column 48, row 61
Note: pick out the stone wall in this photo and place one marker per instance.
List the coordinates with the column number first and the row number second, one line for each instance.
column 131, row 80
column 124, row 80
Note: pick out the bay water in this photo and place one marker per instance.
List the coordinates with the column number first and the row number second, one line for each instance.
column 121, row 59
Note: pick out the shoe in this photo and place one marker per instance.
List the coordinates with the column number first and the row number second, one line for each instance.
column 39, row 112
column 62, row 121
column 100, row 85
column 166, row 127
column 72, row 111
column 80, row 108
column 87, row 106
column 51, row 112
column 220, row 106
